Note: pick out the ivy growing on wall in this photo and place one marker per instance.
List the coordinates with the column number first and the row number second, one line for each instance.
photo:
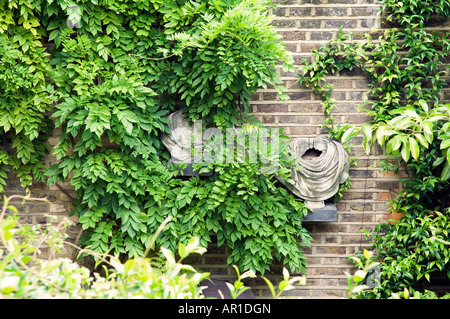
column 117, row 69
column 406, row 68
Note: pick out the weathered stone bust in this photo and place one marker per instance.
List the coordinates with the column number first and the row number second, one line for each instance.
column 186, row 142
column 181, row 139
column 325, row 165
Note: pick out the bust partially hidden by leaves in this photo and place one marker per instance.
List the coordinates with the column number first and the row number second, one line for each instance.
column 26, row 274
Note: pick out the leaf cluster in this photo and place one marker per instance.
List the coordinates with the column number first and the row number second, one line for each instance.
column 25, row 274
column 227, row 55
column 25, row 99
column 415, row 12
column 244, row 206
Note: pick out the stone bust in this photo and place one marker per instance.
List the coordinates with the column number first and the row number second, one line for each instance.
column 186, row 141
column 325, row 165
column 181, row 139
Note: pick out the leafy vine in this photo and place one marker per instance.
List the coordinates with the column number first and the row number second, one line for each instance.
column 117, row 69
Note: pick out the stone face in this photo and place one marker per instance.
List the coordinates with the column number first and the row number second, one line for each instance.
column 324, row 165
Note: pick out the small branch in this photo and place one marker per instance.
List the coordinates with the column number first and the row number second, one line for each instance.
column 91, row 252
column 153, row 59
column 166, row 57
column 64, row 191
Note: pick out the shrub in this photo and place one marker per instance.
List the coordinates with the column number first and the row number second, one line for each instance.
column 25, row 273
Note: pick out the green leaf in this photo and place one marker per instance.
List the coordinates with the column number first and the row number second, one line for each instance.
column 367, row 140
column 406, row 151
column 428, row 131
column 182, row 250
column 445, row 144
column 349, row 134
column 445, row 175
column 421, row 140
column 424, row 105
column 53, row 35
column 359, row 276
column 270, row 285
column 414, row 147
column 438, row 161
column 394, row 144
column 380, row 135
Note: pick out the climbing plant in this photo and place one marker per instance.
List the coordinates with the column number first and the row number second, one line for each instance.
column 107, row 74
column 25, row 94
column 231, row 53
column 405, row 68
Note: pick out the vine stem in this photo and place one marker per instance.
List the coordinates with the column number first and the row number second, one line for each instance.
column 62, row 189
column 152, row 59
column 155, row 236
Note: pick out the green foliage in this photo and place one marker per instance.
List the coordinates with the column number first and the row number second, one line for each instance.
column 286, row 284
column 24, row 100
column 25, row 94
column 358, row 282
column 26, row 274
column 243, row 205
column 116, row 70
column 413, row 249
column 227, row 55
column 405, row 70
column 335, row 56
column 411, row 11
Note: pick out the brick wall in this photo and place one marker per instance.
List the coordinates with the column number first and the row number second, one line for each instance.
column 304, row 25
